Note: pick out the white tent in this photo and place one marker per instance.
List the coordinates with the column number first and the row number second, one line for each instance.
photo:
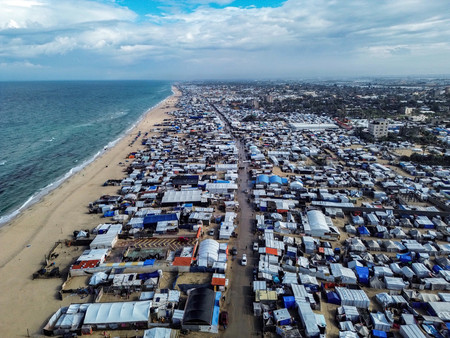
column 98, row 277
column 208, row 252
column 115, row 313
column 317, row 224
column 159, row 332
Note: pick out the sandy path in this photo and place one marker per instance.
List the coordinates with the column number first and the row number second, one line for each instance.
column 26, row 303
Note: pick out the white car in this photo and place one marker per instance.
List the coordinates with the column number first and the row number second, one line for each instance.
column 244, row 259
column 255, row 246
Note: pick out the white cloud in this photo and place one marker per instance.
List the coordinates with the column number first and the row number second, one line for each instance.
column 320, row 33
column 58, row 13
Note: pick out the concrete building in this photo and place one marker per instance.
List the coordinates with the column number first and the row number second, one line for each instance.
column 378, row 128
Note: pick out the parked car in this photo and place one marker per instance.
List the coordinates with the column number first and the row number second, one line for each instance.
column 244, row 259
column 255, row 246
column 234, row 251
column 211, row 232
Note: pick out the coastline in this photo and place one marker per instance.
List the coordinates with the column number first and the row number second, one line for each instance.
column 41, row 193
column 26, row 304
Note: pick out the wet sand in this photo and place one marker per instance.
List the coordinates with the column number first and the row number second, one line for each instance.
column 26, row 304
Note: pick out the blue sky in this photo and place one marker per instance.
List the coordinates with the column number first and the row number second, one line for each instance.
column 222, row 39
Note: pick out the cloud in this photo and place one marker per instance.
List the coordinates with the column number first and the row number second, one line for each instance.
column 20, row 65
column 299, row 35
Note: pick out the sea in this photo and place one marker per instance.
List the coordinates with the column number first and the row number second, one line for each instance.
column 50, row 130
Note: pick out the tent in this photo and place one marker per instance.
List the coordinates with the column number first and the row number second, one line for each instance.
column 404, row 258
column 199, row 307
column 363, row 274
column 117, row 313
column 98, row 278
column 333, row 298
column 363, row 231
column 380, row 323
column 160, row 332
column 289, row 302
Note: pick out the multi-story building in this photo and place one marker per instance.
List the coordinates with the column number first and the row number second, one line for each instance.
column 378, row 128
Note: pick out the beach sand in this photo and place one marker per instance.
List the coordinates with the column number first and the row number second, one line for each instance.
column 26, row 304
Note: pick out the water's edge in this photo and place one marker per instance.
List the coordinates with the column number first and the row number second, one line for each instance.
column 38, row 195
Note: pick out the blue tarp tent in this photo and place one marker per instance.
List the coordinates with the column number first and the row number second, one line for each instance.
column 333, row 298
column 437, row 268
column 404, row 258
column 363, row 274
column 379, row 333
column 289, row 302
column 262, row 179
column 363, row 231
column 154, row 219
column 148, row 275
column 275, row 179
column 109, row 213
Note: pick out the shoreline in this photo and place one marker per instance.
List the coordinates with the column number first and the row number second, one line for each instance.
column 42, row 192
column 26, row 304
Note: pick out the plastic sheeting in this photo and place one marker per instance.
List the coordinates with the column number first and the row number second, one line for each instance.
column 356, row 298
column 123, row 312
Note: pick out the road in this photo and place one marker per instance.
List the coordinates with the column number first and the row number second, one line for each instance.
column 239, row 299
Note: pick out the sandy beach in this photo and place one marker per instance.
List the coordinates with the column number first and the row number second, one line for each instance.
column 26, row 304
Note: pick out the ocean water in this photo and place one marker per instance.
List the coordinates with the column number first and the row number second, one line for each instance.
column 50, row 130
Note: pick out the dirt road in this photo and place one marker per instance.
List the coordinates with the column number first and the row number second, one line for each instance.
column 239, row 301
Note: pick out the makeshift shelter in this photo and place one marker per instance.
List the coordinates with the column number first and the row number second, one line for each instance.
column 208, row 252
column 317, row 225
column 116, row 314
column 352, row 297
column 199, row 309
column 282, row 316
column 333, row 298
column 411, row 331
column 363, row 274
column 160, row 332
column 380, row 322
column 308, row 319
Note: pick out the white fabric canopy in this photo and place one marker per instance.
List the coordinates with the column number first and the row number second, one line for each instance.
column 124, row 312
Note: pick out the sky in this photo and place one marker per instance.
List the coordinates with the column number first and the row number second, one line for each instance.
column 222, row 39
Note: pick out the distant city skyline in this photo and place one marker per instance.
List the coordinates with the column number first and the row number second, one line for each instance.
column 222, row 39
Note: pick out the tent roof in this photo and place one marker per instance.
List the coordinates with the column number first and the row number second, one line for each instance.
column 122, row 312
column 199, row 307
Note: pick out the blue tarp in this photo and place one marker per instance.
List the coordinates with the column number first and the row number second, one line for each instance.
column 289, row 302
column 404, row 258
column 148, row 275
column 437, row 268
column 109, row 213
column 333, row 298
column 275, row 179
column 378, row 333
column 363, row 274
column 363, row 230
column 149, row 262
column 153, row 219
column 216, row 311
column 262, row 179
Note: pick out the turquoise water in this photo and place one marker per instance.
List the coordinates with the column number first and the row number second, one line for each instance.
column 49, row 130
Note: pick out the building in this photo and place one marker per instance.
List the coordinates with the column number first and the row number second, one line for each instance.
column 379, row 128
